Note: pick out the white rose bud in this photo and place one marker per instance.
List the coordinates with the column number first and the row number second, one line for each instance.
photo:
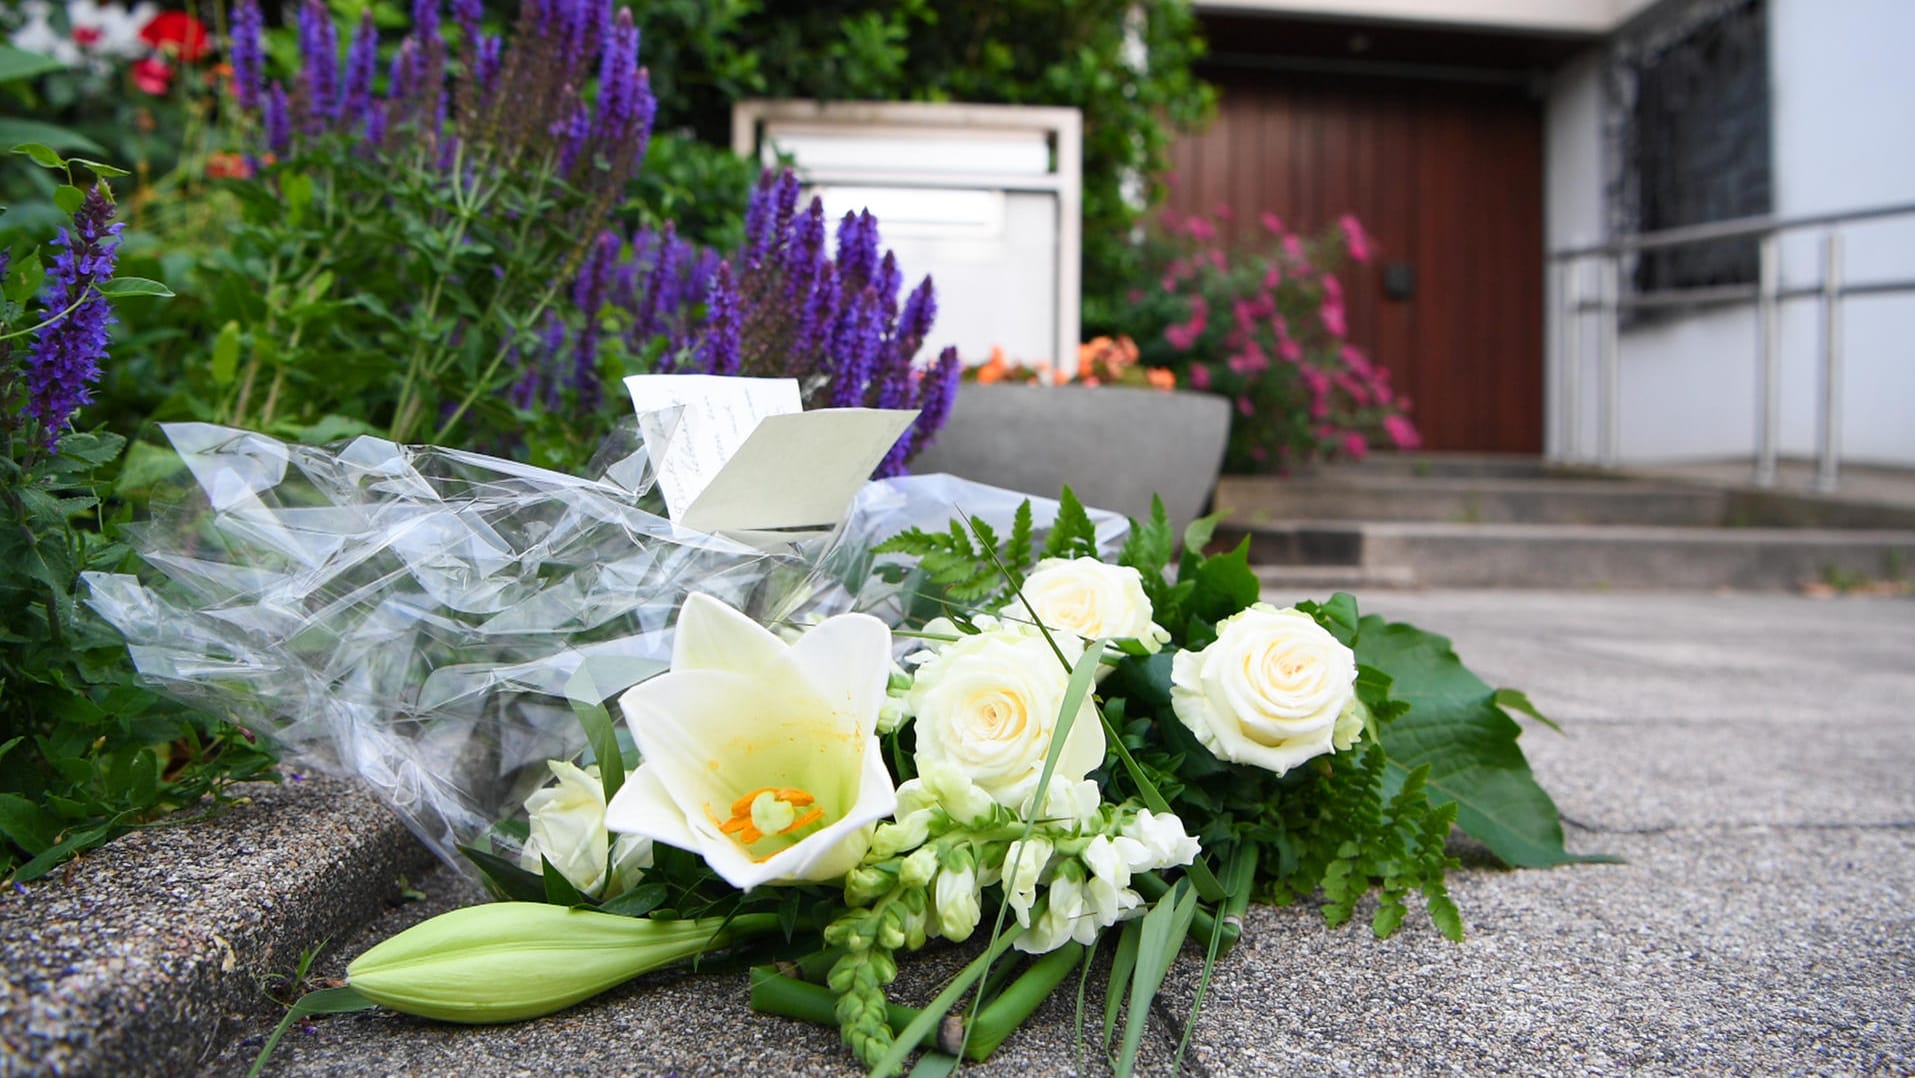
column 1092, row 598
column 1269, row 691
column 568, row 827
column 987, row 705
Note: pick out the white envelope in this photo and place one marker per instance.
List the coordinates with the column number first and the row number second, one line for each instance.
column 744, row 457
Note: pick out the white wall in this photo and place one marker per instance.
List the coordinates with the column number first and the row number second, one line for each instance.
column 1558, row 16
column 1841, row 93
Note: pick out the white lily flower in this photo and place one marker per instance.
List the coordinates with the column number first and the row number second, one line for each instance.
column 759, row 756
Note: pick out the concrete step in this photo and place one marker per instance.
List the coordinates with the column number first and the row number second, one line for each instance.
column 1553, row 555
column 1468, row 500
column 1285, row 584
column 1434, row 465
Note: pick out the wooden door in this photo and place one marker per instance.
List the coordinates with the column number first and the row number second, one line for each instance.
column 1448, row 180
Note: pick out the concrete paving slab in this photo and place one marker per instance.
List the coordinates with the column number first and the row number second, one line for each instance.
column 1743, row 951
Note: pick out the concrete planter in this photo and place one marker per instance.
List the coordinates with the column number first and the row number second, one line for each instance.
column 1114, row 445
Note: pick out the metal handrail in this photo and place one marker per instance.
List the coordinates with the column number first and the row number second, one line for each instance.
column 1767, row 295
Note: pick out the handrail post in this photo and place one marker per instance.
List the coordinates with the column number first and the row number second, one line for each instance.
column 1829, row 447
column 1768, row 347
column 1610, row 362
column 1571, row 367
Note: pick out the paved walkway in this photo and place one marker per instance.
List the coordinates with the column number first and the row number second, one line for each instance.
column 1750, row 756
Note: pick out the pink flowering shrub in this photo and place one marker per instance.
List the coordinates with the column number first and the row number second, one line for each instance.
column 1264, row 323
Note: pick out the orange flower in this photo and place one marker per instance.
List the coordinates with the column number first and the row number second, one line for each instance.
column 1161, row 379
column 221, row 166
column 994, row 369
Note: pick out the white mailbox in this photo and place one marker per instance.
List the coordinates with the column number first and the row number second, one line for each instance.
column 987, row 199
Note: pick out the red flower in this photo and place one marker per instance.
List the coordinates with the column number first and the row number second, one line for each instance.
column 178, row 33
column 87, row 36
column 228, row 166
column 152, row 75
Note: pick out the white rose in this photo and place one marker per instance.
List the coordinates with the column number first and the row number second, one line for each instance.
column 1091, row 598
column 568, row 828
column 987, row 705
column 1268, row 691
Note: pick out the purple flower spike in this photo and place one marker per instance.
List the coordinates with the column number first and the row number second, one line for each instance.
column 402, row 77
column 319, row 63
column 361, row 57
column 278, row 123
column 718, row 352
column 376, row 125
column 920, row 311
column 618, row 85
column 589, row 23
column 857, row 249
column 573, row 132
column 64, row 360
column 588, row 295
column 248, row 62
column 804, row 252
column 490, row 56
column 468, row 14
column 758, row 214
column 937, row 389
column 661, row 296
column 888, row 280
column 855, row 343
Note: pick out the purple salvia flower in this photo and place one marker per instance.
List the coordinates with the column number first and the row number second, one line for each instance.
column 805, row 252
column 572, row 133
column 248, row 62
column 937, row 389
column 888, row 281
column 402, row 77
column 718, row 351
column 376, row 124
column 785, row 208
column 618, row 85
column 468, row 14
column 815, row 320
column 661, row 285
column 425, row 23
column 586, row 39
column 278, row 122
column 857, row 249
column 490, row 56
column 855, row 341
column 361, row 57
column 758, row 211
column 588, row 295
column 920, row 312
column 552, row 345
column 319, row 63
column 64, row 360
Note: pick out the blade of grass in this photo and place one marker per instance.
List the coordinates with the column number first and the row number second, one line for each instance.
column 1122, row 967
column 1165, row 927
column 323, row 1001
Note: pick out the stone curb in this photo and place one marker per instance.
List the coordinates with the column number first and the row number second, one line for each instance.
column 129, row 959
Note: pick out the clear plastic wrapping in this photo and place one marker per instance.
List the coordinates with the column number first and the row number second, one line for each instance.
column 428, row 619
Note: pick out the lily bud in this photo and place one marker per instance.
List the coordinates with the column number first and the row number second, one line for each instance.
column 509, row 961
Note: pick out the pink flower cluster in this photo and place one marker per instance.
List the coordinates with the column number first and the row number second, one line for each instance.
column 1268, row 325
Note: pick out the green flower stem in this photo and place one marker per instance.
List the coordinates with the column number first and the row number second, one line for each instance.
column 70, row 308
column 1204, row 923
column 773, row 992
column 913, row 1034
column 1007, row 1012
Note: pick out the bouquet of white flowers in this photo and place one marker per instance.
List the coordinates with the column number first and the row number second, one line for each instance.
column 1048, row 750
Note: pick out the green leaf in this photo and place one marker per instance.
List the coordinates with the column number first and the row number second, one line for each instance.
column 69, row 198
column 100, row 168
column 14, row 130
column 133, row 286
column 1512, row 700
column 17, row 64
column 53, row 855
column 42, row 154
column 22, row 821
column 559, row 891
column 1150, row 544
column 296, row 190
column 25, row 279
column 1072, row 534
column 505, row 879
column 225, row 365
column 636, row 902
column 1455, row 729
column 1122, row 965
